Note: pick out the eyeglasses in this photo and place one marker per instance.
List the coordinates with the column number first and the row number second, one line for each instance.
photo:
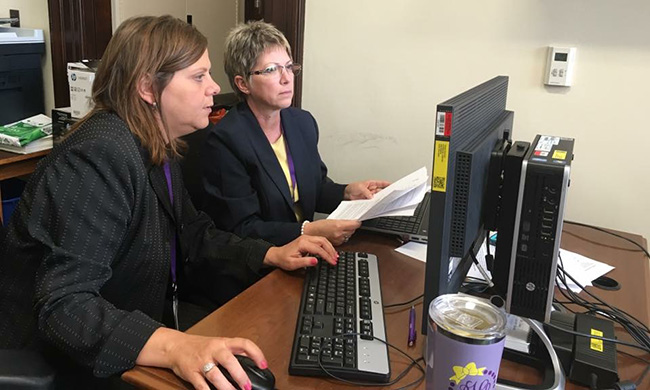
column 275, row 70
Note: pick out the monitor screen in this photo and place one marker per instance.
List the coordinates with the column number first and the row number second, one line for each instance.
column 468, row 128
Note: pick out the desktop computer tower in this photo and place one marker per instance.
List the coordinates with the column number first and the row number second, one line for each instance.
column 535, row 234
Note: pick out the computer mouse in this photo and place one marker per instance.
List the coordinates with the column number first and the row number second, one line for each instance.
column 260, row 379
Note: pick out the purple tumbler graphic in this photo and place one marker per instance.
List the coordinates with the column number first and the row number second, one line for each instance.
column 465, row 343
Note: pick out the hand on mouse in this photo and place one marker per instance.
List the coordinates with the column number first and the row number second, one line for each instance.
column 189, row 356
column 294, row 255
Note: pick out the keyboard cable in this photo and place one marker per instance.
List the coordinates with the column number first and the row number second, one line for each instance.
column 413, row 363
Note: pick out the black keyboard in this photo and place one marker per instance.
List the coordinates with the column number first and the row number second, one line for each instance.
column 408, row 225
column 336, row 300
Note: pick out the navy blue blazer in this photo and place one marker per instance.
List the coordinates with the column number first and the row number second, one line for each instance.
column 245, row 190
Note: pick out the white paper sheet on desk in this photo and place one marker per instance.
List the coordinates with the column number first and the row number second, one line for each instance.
column 407, row 191
column 418, row 251
column 581, row 268
column 414, row 249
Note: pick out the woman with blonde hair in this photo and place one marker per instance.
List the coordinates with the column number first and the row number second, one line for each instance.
column 105, row 248
column 263, row 176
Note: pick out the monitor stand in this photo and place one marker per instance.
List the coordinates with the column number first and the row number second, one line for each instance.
column 554, row 376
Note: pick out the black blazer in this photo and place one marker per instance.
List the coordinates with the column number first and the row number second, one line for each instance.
column 85, row 266
column 245, row 190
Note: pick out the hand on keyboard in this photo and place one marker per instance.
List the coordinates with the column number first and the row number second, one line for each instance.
column 337, row 231
column 294, row 255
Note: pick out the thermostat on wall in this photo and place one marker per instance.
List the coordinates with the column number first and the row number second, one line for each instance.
column 560, row 66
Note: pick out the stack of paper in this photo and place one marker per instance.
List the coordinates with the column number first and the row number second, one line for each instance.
column 28, row 135
column 398, row 199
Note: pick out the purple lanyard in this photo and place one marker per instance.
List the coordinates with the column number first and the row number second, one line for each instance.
column 168, row 175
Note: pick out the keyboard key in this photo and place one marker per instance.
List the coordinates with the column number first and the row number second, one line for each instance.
column 307, row 359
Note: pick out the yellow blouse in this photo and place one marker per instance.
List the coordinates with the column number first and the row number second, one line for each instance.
column 280, row 150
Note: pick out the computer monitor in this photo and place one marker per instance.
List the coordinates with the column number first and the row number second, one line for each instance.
column 468, row 128
column 483, row 181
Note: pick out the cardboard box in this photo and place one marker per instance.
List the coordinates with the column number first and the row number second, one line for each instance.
column 80, row 78
column 61, row 121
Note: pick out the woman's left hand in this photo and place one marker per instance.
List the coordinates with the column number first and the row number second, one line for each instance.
column 364, row 189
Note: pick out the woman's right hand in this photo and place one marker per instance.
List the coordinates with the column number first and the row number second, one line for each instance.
column 337, row 231
column 187, row 354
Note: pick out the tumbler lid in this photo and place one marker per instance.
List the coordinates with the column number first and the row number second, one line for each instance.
column 468, row 316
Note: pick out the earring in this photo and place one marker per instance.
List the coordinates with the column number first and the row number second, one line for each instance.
column 155, row 105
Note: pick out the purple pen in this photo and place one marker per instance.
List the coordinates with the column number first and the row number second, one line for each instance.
column 412, row 333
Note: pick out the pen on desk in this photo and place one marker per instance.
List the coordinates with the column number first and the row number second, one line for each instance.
column 412, row 333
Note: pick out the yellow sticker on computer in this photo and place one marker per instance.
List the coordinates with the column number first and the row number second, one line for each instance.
column 559, row 155
column 440, row 162
column 595, row 344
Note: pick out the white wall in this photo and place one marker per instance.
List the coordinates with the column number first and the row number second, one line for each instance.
column 34, row 14
column 214, row 18
column 375, row 70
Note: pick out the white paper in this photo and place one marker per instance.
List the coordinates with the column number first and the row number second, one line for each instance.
column 480, row 256
column 407, row 191
column 582, row 269
column 407, row 211
column 416, row 250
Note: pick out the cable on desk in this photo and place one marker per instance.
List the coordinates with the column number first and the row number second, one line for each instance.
column 404, row 303
column 632, row 325
column 637, row 334
column 475, row 285
column 611, row 233
column 597, row 337
column 644, row 373
column 414, row 363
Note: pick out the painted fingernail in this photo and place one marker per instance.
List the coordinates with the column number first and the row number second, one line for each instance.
column 248, row 386
column 264, row 365
column 314, row 261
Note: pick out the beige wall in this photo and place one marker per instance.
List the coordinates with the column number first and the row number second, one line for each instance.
column 375, row 70
column 214, row 18
column 34, row 14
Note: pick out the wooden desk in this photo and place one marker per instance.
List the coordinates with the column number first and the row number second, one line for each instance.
column 15, row 165
column 266, row 313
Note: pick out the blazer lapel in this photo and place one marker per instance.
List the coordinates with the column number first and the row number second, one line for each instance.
column 265, row 154
column 159, row 184
column 178, row 189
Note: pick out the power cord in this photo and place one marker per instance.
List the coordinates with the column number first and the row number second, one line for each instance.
column 404, row 303
column 615, row 341
column 413, row 363
column 638, row 330
column 611, row 233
